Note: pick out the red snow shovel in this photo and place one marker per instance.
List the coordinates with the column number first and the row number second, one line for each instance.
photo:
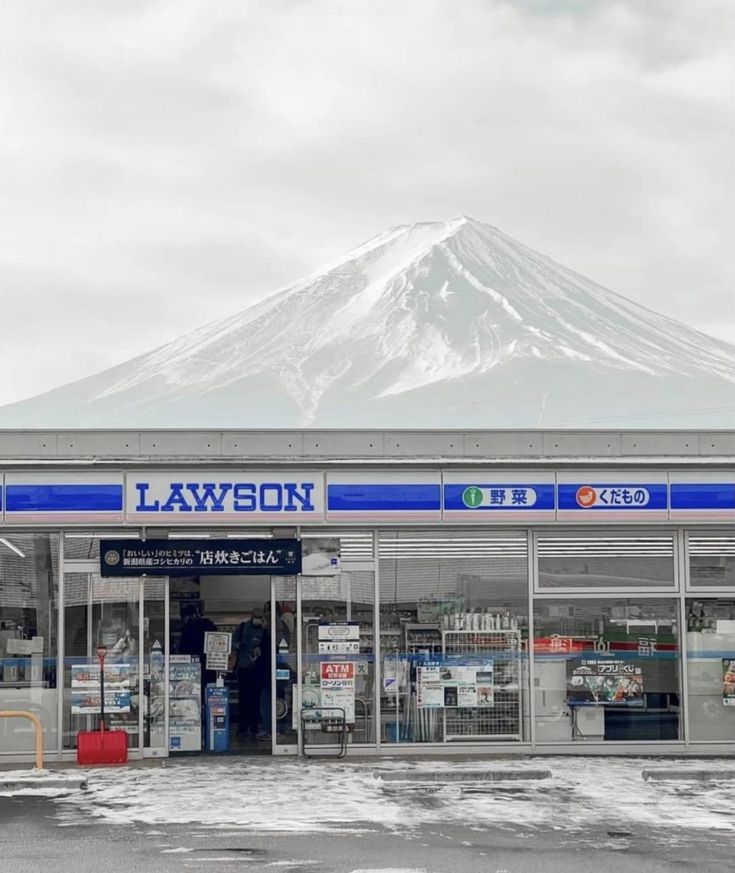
column 102, row 746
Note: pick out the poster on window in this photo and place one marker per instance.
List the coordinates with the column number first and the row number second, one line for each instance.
column 485, row 679
column 85, row 688
column 596, row 682
column 453, row 686
column 338, row 689
column 429, row 688
column 728, row 681
column 217, row 648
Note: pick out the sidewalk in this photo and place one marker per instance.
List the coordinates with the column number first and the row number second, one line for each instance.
column 267, row 795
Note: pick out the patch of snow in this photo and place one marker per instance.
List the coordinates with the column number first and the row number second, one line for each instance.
column 349, row 797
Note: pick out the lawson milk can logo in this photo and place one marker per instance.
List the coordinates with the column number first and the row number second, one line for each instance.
column 601, row 497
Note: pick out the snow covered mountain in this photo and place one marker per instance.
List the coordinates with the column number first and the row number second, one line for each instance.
column 441, row 324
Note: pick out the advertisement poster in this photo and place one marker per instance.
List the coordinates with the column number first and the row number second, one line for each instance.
column 485, row 679
column 217, row 645
column 338, row 688
column 594, row 682
column 339, row 638
column 452, row 686
column 429, row 688
column 728, row 681
column 87, row 677
column 320, row 556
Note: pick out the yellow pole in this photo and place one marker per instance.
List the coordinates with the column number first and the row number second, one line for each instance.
column 17, row 713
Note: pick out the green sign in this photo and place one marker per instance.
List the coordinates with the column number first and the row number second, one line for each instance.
column 472, row 497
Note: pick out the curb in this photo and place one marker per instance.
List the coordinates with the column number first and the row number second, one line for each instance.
column 459, row 776
column 53, row 780
column 664, row 775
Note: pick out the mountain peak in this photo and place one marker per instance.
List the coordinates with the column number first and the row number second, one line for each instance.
column 424, row 325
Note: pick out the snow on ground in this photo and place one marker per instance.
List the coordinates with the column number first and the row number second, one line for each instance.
column 308, row 797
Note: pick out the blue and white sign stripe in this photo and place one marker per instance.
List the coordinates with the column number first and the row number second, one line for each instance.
column 50, row 497
column 361, row 496
column 700, row 497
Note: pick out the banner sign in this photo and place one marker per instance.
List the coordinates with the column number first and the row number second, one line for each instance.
column 604, row 682
column 206, row 497
column 231, row 557
column 201, row 498
column 516, row 496
column 728, row 681
column 612, row 495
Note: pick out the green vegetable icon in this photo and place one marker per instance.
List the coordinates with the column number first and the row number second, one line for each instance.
column 472, row 497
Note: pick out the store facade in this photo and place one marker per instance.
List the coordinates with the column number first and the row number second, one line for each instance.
column 458, row 591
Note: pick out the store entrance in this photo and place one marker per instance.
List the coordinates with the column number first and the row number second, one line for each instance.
column 246, row 708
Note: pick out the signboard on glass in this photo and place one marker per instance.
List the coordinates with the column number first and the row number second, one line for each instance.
column 217, row 647
column 604, row 682
column 728, row 681
column 338, row 689
column 320, row 556
column 339, row 638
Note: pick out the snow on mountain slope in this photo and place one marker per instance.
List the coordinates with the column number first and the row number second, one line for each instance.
column 427, row 325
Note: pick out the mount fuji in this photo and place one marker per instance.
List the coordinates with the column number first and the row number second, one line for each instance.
column 435, row 325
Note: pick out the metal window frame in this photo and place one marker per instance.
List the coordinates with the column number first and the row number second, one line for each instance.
column 673, row 588
column 687, row 564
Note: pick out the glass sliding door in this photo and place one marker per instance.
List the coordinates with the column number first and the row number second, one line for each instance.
column 337, row 656
column 129, row 617
column 101, row 612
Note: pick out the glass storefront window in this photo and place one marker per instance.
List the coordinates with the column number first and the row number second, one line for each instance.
column 569, row 559
column 711, row 669
column 29, row 585
column 711, row 560
column 453, row 630
column 606, row 669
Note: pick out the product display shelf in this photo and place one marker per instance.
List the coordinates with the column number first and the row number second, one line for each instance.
column 503, row 719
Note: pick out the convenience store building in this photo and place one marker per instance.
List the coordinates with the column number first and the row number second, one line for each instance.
column 459, row 591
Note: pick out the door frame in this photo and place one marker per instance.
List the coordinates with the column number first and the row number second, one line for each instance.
column 277, row 748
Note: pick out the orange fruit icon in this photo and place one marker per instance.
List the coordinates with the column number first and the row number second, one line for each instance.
column 586, row 496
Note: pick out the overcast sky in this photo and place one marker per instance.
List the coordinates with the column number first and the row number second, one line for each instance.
column 166, row 163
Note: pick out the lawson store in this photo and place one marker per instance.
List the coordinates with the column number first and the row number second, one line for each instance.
column 385, row 591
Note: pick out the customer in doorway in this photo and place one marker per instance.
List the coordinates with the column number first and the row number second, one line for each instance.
column 247, row 662
column 192, row 639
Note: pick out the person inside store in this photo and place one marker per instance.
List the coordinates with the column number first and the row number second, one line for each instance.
column 193, row 638
column 248, row 661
